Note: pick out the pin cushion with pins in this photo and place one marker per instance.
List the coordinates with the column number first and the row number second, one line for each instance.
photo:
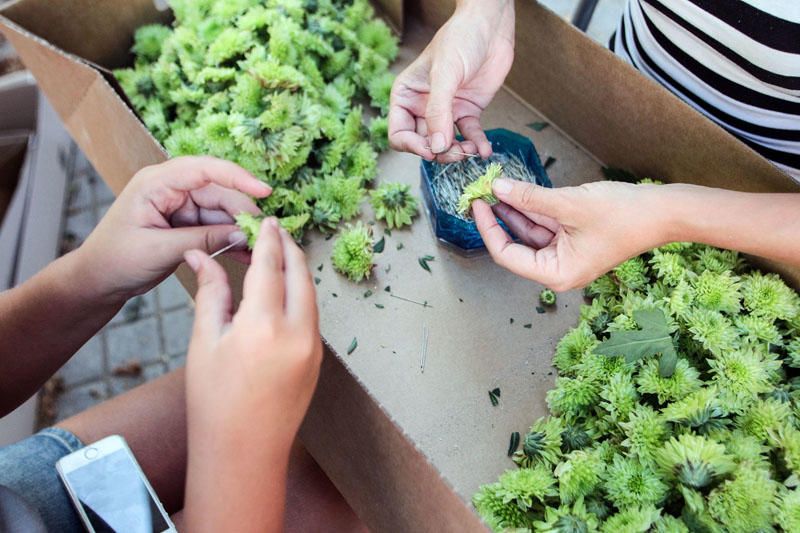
column 443, row 183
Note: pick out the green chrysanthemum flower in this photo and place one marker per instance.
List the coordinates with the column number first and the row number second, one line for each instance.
column 572, row 396
column 670, row 267
column 681, row 299
column 717, row 260
column 576, row 437
column 394, row 203
column 787, row 441
column 758, row 329
column 295, row 225
column 595, row 315
column 632, row 520
column 573, row 518
column 695, row 513
column 743, row 447
column 787, row 510
column 479, row 189
column 767, row 295
column 717, row 291
column 250, row 226
column 629, row 483
column 495, row 510
column 744, row 504
column 645, row 431
column 693, row 460
column 579, row 474
column 547, row 297
column 632, row 273
column 542, row 444
column 342, row 195
column 793, row 352
column 741, row 374
column 379, row 133
column 573, row 347
column 619, row 397
column 669, row 524
column 604, row 287
column 712, row 329
column 701, row 411
column 764, row 417
column 685, row 380
column 528, row 487
column 352, row 252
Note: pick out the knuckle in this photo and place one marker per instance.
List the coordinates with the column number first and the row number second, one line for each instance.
column 527, row 194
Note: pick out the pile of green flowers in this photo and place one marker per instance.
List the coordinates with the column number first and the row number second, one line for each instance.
column 709, row 444
column 275, row 86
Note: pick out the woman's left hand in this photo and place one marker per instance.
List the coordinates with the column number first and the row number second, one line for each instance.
column 185, row 203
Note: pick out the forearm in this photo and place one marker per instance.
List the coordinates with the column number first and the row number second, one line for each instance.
column 243, row 490
column 44, row 322
column 766, row 225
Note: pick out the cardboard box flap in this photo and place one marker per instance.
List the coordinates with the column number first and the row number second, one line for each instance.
column 87, row 28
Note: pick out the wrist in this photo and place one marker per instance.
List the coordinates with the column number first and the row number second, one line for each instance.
column 673, row 213
column 96, row 279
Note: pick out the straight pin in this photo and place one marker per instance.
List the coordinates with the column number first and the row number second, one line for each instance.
column 225, row 249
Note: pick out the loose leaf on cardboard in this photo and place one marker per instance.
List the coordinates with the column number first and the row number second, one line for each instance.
column 367, row 293
column 653, row 338
column 379, row 306
column 538, row 126
column 513, row 443
column 353, row 346
column 549, row 162
column 378, row 246
column 423, row 262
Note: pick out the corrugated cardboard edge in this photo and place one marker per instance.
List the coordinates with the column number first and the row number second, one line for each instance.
column 87, row 100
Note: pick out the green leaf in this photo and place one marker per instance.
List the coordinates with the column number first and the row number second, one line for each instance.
column 379, row 306
column 513, row 443
column 399, row 245
column 493, row 398
column 378, row 246
column 353, row 346
column 316, row 281
column 653, row 338
column 367, row 293
column 528, row 326
column 538, row 126
column 423, row 262
column 549, row 162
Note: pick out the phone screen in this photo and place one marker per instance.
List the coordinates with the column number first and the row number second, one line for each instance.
column 113, row 496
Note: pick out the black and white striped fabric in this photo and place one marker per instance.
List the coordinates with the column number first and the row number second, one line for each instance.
column 735, row 61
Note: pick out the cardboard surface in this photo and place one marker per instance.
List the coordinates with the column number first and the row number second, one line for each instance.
column 406, row 448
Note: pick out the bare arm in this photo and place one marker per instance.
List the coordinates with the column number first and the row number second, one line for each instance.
column 165, row 210
column 572, row 235
column 45, row 321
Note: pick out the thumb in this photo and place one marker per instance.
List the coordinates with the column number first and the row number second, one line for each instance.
column 439, row 111
column 530, row 197
column 213, row 301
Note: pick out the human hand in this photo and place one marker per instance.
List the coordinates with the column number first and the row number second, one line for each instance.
column 250, row 377
column 571, row 236
column 165, row 210
column 452, row 82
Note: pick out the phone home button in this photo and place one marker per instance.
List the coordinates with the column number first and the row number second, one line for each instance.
column 90, row 453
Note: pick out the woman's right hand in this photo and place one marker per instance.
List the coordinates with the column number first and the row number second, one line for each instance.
column 250, row 379
column 452, row 81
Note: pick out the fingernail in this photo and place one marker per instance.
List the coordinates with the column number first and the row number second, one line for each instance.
column 437, row 143
column 236, row 237
column 273, row 222
column 192, row 260
column 267, row 188
column 502, row 186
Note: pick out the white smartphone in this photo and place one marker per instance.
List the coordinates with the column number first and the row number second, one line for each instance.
column 110, row 491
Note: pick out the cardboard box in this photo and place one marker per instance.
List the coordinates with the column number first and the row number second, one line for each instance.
column 406, row 448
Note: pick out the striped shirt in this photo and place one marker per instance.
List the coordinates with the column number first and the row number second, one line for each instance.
column 735, row 61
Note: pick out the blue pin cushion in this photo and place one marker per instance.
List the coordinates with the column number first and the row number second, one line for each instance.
column 460, row 234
